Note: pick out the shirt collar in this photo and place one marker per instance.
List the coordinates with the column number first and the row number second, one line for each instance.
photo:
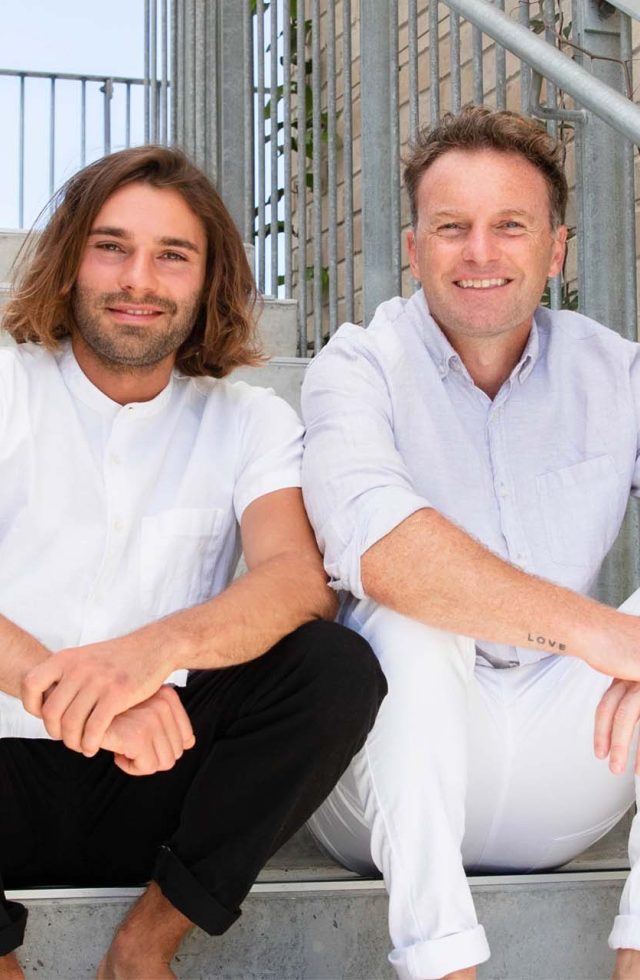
column 85, row 391
column 445, row 357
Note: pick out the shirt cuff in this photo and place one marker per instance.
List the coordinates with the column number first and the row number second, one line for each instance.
column 373, row 516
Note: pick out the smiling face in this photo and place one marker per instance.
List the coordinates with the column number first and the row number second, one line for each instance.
column 483, row 246
column 139, row 285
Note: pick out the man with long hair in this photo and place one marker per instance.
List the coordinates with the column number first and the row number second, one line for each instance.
column 132, row 472
column 469, row 458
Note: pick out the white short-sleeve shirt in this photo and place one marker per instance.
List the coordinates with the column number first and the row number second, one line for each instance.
column 111, row 515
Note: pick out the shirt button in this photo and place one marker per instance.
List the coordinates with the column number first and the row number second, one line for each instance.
column 503, row 491
column 98, row 598
column 118, row 524
column 114, row 458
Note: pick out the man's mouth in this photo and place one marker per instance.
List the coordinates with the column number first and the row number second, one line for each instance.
column 480, row 283
column 135, row 311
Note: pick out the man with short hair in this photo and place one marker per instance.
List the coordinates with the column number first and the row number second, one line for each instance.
column 465, row 443
column 132, row 472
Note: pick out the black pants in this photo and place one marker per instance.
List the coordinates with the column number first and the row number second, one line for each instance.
column 272, row 738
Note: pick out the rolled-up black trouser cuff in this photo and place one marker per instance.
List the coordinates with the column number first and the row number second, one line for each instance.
column 12, row 933
column 185, row 892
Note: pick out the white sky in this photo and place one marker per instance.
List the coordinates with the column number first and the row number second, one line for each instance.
column 77, row 36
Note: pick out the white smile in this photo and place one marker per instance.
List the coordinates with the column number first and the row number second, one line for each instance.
column 137, row 312
column 480, row 283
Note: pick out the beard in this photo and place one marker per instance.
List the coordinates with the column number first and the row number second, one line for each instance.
column 131, row 347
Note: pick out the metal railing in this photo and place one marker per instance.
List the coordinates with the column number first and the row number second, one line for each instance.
column 63, row 121
column 339, row 89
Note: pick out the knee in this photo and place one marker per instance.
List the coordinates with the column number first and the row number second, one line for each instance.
column 345, row 672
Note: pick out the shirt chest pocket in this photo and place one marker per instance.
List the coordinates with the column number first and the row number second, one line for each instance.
column 581, row 510
column 178, row 551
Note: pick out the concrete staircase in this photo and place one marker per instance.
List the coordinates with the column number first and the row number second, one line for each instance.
column 308, row 918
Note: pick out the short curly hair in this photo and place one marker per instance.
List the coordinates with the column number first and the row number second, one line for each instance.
column 478, row 127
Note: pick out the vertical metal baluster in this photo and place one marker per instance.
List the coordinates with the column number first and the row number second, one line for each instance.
column 414, row 104
column 524, row 17
column 301, row 135
column 348, row 161
column 52, row 136
column 21, row 154
column 317, row 175
column 394, row 133
column 555, row 284
column 262, row 231
column 249, row 140
column 83, row 122
column 332, row 183
column 147, row 93
column 501, row 70
column 153, row 44
column 175, row 81
column 629, row 227
column 454, row 39
column 106, row 114
column 273, row 98
column 434, row 63
column 286, row 133
column 127, row 134
column 478, row 71
column 164, row 84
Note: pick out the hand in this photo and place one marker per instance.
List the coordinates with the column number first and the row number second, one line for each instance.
column 79, row 691
column 151, row 736
column 612, row 644
column 616, row 718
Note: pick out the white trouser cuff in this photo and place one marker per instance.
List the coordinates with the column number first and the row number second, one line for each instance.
column 625, row 933
column 436, row 957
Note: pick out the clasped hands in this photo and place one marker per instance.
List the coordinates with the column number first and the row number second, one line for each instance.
column 111, row 695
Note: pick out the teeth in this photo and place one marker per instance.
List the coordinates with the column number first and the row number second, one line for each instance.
column 481, row 283
column 138, row 312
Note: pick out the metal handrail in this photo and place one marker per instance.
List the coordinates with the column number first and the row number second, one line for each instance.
column 610, row 106
column 66, row 76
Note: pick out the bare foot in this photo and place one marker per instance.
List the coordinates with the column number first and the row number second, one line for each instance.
column 468, row 974
column 627, row 965
column 10, row 969
column 146, row 941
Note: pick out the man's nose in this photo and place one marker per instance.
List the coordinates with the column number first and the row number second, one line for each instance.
column 480, row 246
column 138, row 272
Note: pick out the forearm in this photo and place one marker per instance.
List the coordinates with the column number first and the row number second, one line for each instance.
column 245, row 620
column 431, row 570
column 19, row 652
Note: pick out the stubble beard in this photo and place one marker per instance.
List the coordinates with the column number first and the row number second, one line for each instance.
column 127, row 348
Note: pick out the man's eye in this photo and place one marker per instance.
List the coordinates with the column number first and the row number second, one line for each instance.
column 108, row 246
column 174, row 256
column 450, row 226
column 512, row 225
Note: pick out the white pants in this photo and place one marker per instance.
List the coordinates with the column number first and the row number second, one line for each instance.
column 477, row 768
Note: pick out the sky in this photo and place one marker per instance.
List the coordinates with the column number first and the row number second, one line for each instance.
column 75, row 36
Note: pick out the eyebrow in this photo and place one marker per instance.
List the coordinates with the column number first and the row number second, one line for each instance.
column 167, row 240
column 519, row 212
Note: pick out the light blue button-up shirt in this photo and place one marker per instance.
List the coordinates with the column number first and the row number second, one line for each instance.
column 541, row 474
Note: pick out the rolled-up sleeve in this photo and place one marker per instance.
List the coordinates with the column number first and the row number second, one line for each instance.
column 355, row 483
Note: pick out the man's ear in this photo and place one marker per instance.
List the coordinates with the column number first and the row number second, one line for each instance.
column 558, row 251
column 412, row 253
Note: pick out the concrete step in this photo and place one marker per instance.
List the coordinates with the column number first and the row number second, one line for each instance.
column 10, row 243
column 308, row 918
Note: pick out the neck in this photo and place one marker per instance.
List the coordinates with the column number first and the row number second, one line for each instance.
column 120, row 382
column 490, row 360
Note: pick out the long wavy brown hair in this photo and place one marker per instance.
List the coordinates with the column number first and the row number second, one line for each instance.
column 224, row 333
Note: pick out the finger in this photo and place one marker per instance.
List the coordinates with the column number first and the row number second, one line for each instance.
column 132, row 767
column 59, row 701
column 36, row 684
column 74, row 718
column 164, row 751
column 181, row 717
column 623, row 728
column 107, row 706
column 605, row 713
